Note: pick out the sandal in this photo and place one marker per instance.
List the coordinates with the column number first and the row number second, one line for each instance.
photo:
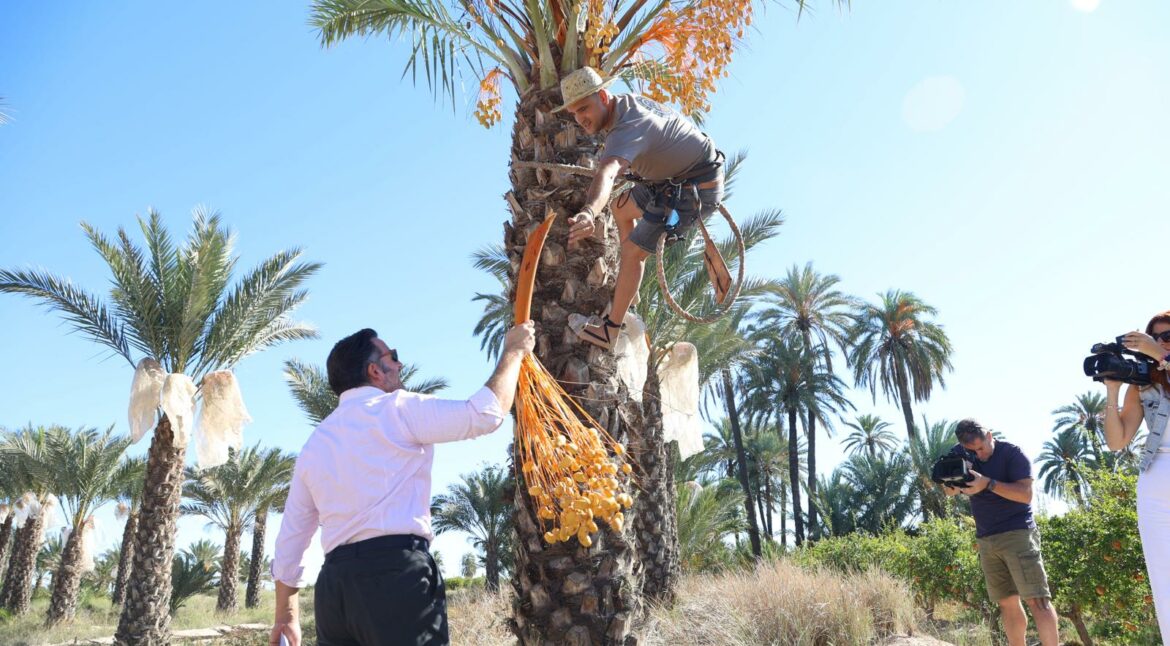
column 601, row 332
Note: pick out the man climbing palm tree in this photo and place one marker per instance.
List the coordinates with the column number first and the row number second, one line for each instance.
column 676, row 168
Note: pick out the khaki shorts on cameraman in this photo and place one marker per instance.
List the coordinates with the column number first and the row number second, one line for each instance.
column 1012, row 565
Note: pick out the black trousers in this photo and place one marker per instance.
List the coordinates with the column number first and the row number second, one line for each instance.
column 384, row 591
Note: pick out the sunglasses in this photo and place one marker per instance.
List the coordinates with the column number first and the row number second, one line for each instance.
column 1164, row 337
column 393, row 354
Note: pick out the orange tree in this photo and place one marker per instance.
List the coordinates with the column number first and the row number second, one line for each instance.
column 673, row 51
column 1095, row 567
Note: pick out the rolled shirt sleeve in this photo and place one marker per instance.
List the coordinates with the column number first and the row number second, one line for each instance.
column 297, row 527
column 430, row 420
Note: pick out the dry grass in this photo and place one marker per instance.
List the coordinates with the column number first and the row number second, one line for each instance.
column 780, row 603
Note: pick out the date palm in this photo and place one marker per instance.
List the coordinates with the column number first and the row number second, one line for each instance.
column 930, row 443
column 176, row 304
column 228, row 496
column 1087, row 416
column 808, row 304
column 478, row 506
column 80, row 467
column 24, row 451
column 273, row 478
column 309, row 386
column 1065, row 464
column 897, row 346
column 676, row 51
column 129, row 482
column 870, row 435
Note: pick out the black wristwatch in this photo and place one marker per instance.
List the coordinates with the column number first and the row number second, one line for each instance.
column 991, row 485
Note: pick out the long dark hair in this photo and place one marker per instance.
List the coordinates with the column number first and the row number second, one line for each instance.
column 1160, row 377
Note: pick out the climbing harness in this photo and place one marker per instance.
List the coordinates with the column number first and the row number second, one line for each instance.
column 671, row 192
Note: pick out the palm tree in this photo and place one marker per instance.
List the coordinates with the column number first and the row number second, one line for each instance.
column 49, row 558
column 707, row 514
column 25, row 450
column 271, row 483
column 80, row 467
column 789, row 377
column 896, row 346
column 105, row 571
column 1087, row 416
column 478, row 506
column 193, row 571
column 881, row 484
column 934, row 441
column 128, row 481
column 467, row 565
column 679, row 50
column 808, row 304
column 837, row 500
column 309, row 386
column 869, row 435
column 1064, row 465
column 228, row 497
column 173, row 304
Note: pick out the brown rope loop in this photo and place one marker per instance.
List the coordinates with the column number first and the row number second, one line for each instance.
column 723, row 308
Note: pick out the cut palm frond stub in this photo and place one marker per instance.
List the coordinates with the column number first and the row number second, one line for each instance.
column 573, row 469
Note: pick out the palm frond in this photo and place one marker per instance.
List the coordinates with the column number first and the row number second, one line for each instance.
column 85, row 312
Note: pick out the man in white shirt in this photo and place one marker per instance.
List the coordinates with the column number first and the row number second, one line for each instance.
column 364, row 477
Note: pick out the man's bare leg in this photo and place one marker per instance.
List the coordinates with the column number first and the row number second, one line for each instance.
column 1015, row 622
column 1047, row 622
column 631, row 266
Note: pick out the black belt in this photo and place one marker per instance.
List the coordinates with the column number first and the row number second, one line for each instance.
column 376, row 545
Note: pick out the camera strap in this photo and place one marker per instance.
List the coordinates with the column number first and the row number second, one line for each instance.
column 1156, row 406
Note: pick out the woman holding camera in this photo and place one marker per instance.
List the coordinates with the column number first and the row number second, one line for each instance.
column 1152, row 404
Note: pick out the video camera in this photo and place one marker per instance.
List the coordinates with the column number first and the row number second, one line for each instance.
column 1108, row 362
column 953, row 470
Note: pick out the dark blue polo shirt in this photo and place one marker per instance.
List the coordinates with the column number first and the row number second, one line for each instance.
column 993, row 513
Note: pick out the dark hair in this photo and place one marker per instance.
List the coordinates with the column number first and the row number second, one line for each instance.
column 348, row 359
column 968, row 430
column 1159, row 377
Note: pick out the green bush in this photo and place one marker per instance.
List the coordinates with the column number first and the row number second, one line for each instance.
column 463, row 583
column 1095, row 566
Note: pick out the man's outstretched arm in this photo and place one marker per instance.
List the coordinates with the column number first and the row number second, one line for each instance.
column 581, row 225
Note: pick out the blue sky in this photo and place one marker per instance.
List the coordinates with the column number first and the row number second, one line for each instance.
column 1005, row 162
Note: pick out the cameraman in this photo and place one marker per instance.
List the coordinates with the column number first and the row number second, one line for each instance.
column 1151, row 404
column 1009, row 543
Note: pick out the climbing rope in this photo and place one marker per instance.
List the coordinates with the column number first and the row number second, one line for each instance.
column 722, row 307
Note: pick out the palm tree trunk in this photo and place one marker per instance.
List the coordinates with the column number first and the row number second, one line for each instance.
column 904, row 400
column 794, row 476
column 741, row 461
column 565, row 593
column 146, row 616
column 813, row 531
column 18, row 583
column 655, row 510
column 768, row 506
column 492, row 567
column 229, row 573
column 783, row 518
column 252, row 595
column 5, row 540
column 125, row 558
column 66, row 581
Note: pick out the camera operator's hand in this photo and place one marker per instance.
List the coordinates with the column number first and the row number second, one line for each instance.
column 977, row 485
column 1112, row 386
column 1145, row 344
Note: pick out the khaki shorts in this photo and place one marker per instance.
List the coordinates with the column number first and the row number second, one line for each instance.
column 1012, row 565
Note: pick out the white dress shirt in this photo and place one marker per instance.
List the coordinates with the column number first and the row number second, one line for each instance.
column 366, row 470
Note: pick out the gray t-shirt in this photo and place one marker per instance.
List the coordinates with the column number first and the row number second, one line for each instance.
column 658, row 142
